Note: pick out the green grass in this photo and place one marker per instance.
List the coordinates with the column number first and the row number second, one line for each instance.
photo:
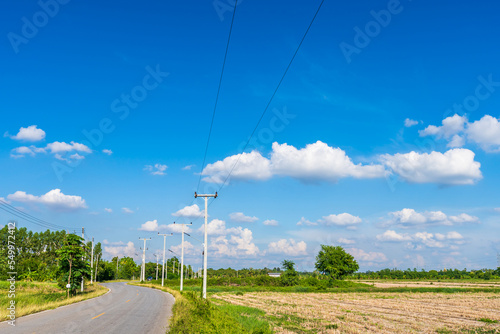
column 192, row 314
column 32, row 297
column 488, row 321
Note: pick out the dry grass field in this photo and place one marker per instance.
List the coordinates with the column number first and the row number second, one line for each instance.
column 374, row 312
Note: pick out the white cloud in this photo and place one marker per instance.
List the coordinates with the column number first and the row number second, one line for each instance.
column 450, row 127
column 497, row 209
column 76, row 156
column 240, row 244
column 289, row 247
column 457, row 129
column 345, row 241
column 117, row 243
column 270, row 222
column 31, row 133
column 188, row 167
column 410, row 122
column 250, row 166
column 106, row 151
column 127, row 210
column 241, row 218
column 315, row 162
column 363, row 256
column 175, row 228
column 306, row 222
column 192, row 211
column 464, row 218
column 486, row 133
column 425, row 238
column 215, row 227
column 156, row 169
column 343, row 219
column 189, row 249
column 149, row 226
column 410, row 218
column 121, row 251
column 62, row 147
column 391, row 235
column 454, row 167
column 54, row 199
column 22, row 151
column 108, row 210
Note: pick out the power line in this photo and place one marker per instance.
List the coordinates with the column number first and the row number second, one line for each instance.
column 31, row 219
column 272, row 96
column 217, row 96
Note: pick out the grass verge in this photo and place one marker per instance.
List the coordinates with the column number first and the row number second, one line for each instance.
column 192, row 314
column 33, row 297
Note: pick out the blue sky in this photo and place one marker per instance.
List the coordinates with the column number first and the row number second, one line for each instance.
column 383, row 137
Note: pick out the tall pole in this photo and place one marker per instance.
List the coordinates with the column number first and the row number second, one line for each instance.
column 205, row 248
column 163, row 266
column 83, row 237
column 156, row 255
column 143, row 274
column 117, row 258
column 92, row 262
column 182, row 256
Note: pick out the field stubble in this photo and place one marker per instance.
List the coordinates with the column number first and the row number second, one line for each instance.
column 373, row 312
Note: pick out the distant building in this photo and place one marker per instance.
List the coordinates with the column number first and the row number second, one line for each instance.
column 274, row 274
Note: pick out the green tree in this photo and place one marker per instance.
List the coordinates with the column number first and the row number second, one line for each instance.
column 72, row 264
column 290, row 276
column 335, row 262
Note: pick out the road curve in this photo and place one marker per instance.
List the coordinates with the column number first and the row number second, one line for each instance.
column 125, row 309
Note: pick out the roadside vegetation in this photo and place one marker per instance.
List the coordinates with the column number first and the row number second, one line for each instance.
column 33, row 297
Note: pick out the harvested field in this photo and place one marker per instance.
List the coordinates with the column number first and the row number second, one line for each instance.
column 428, row 284
column 374, row 312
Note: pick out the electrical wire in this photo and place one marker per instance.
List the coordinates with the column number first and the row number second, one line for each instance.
column 272, row 96
column 30, row 218
column 218, row 92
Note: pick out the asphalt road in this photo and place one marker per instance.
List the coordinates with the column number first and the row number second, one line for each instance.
column 125, row 309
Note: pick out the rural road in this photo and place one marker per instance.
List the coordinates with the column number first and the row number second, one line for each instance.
column 125, row 309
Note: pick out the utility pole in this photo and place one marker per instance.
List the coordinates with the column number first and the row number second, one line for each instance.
column 92, row 262
column 182, row 255
column 83, row 237
column 156, row 256
column 498, row 260
column 206, row 196
column 164, row 247
column 117, row 258
column 143, row 271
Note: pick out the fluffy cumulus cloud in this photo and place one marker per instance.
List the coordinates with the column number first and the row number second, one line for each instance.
column 32, row 133
column 457, row 130
column 106, row 151
column 191, row 211
column 430, row 240
column 149, row 226
column 60, row 150
column 54, row 199
column 320, row 162
column 156, row 169
column 454, row 167
column 343, row 219
column 315, row 162
column 288, row 247
column 362, row 256
column 241, row 218
column 408, row 218
column 410, row 122
column 121, row 251
column 270, row 222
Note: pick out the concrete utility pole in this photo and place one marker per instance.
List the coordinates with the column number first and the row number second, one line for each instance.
column 143, row 273
column 206, row 196
column 156, row 256
column 83, row 237
column 164, row 247
column 92, row 262
column 182, row 255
